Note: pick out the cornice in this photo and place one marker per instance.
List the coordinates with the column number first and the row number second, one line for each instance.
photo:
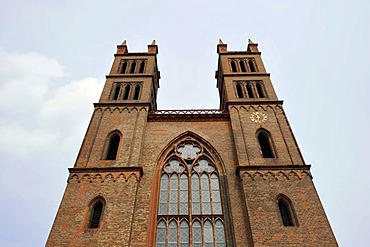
column 131, row 54
column 240, row 52
column 247, row 74
column 128, row 75
column 255, row 102
column 121, row 104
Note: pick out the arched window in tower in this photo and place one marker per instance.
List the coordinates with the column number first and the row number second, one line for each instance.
column 116, row 92
column 126, row 93
column 137, row 92
column 286, row 212
column 95, row 214
column 260, row 90
column 242, row 66
column 239, row 90
column 252, row 68
column 265, row 144
column 113, row 147
column 124, row 67
column 142, row 67
column 233, row 66
column 190, row 211
column 133, row 67
column 250, row 90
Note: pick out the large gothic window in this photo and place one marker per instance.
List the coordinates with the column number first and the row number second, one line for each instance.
column 190, row 208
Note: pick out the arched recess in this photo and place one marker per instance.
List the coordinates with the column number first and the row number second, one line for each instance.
column 286, row 211
column 112, row 145
column 266, row 143
column 189, row 185
column 117, row 89
column 233, row 66
column 96, row 212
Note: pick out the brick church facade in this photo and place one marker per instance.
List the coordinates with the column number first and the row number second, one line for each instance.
column 228, row 177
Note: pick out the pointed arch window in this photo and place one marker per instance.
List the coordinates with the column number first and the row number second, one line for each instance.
column 126, row 93
column 113, row 147
column 116, row 92
column 133, row 67
column 260, row 90
column 265, row 144
column 137, row 92
column 286, row 211
column 95, row 214
column 250, row 90
column 242, row 66
column 239, row 91
column 252, row 68
column 124, row 67
column 233, row 66
column 190, row 209
column 142, row 67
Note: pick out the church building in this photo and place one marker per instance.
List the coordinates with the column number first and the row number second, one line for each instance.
column 232, row 176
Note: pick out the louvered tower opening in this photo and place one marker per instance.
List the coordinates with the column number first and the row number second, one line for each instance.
column 265, row 146
column 96, row 214
column 113, row 148
column 285, row 214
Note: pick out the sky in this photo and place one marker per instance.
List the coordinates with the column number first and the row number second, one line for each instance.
column 54, row 56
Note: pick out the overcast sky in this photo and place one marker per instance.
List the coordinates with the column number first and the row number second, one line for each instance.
column 54, row 56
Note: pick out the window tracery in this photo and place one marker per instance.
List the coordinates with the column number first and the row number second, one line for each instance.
column 190, row 209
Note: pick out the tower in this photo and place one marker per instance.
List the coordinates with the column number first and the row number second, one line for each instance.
column 228, row 177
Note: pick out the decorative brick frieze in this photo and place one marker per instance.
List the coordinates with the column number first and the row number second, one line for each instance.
column 291, row 172
column 188, row 115
column 120, row 107
column 101, row 175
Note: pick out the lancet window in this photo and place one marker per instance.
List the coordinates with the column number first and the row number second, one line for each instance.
column 243, row 65
column 250, row 89
column 286, row 211
column 190, row 209
column 132, row 66
column 113, row 147
column 96, row 212
column 265, row 142
column 126, row 91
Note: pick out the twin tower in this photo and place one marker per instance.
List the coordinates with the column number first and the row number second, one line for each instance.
column 232, row 176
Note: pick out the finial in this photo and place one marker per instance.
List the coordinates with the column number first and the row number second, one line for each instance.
column 252, row 47
column 153, row 48
column 221, row 47
column 122, row 48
